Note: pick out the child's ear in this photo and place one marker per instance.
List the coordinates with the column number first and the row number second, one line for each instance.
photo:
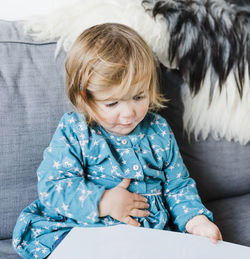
column 83, row 95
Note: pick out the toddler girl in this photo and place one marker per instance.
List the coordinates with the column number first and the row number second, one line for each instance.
column 113, row 161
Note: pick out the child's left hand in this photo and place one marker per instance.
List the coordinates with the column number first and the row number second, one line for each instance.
column 202, row 226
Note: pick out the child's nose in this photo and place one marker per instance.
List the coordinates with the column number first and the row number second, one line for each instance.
column 127, row 110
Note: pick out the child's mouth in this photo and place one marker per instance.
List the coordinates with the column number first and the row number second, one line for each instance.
column 127, row 124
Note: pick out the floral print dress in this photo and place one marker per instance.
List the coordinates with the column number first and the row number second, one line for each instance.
column 82, row 161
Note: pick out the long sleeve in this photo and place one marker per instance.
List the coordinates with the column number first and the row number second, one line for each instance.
column 62, row 186
column 179, row 189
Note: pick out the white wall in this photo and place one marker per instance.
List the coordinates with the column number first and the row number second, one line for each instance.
column 21, row 9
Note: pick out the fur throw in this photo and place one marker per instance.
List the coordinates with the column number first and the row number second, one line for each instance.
column 67, row 23
column 207, row 40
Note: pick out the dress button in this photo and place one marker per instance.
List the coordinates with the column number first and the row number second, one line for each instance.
column 135, row 167
column 124, row 142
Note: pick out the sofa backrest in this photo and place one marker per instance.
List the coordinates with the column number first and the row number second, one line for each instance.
column 32, row 100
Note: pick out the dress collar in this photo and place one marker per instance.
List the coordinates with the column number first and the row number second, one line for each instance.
column 129, row 140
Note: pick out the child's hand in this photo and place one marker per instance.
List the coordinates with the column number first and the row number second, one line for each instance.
column 121, row 204
column 202, row 226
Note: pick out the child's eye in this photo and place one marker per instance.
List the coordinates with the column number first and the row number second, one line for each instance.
column 111, row 104
column 139, row 97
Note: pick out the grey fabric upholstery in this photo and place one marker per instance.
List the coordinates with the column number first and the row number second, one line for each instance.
column 32, row 102
column 232, row 217
column 6, row 251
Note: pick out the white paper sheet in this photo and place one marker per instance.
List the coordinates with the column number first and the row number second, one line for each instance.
column 122, row 241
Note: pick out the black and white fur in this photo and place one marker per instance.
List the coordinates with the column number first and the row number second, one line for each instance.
column 209, row 42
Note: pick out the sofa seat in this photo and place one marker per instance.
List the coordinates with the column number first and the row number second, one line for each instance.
column 6, row 250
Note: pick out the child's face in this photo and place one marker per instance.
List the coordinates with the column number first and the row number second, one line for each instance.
column 120, row 116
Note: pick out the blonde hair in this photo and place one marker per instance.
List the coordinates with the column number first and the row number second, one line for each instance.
column 110, row 55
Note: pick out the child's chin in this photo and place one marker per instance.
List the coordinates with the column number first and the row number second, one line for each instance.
column 123, row 131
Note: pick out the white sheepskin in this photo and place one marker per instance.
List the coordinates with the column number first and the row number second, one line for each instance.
column 67, row 23
column 226, row 117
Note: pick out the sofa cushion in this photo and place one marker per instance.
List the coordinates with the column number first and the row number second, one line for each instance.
column 32, row 101
column 232, row 217
column 6, row 250
column 219, row 167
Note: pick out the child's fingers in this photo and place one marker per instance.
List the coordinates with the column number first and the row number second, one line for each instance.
column 215, row 237
column 130, row 221
column 214, row 240
column 138, row 197
column 124, row 183
column 141, row 205
column 139, row 213
column 219, row 236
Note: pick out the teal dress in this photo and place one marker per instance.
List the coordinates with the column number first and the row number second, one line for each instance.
column 82, row 161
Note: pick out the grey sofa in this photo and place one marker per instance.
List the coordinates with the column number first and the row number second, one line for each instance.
column 32, row 100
